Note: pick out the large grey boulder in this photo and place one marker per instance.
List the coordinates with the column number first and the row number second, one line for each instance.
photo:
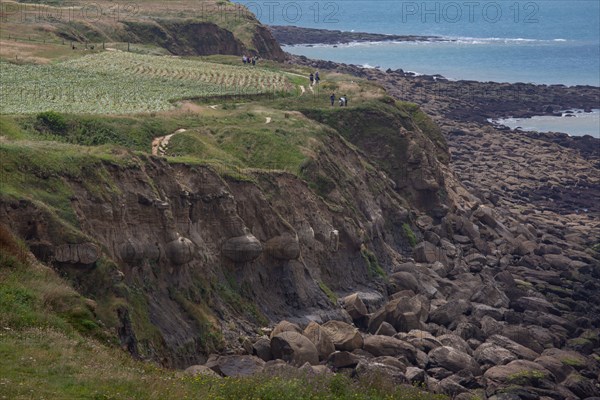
column 389, row 346
column 453, row 360
column 294, row 348
column 519, row 372
column 489, row 355
column 236, row 366
column 285, row 326
column 449, row 312
column 344, row 336
column 519, row 350
column 354, row 305
column 242, row 248
column 426, row 252
column 203, row 370
column 320, row 339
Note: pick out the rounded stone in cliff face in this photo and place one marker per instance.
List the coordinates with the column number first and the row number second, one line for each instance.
column 131, row 252
column 294, row 348
column 82, row 253
column 242, row 248
column 180, row 251
column 284, row 247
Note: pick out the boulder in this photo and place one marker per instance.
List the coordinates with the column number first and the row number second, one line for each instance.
column 262, row 349
column 416, row 376
column 285, row 326
column 203, row 370
column 581, row 386
column 81, row 253
column 519, row 350
column 367, row 370
column 389, row 346
column 407, row 313
column 534, row 304
column 453, row 360
column 284, row 247
column 429, row 253
column 554, row 365
column 322, row 342
column 386, row 329
column 355, row 306
column 180, row 251
column 342, row 359
column 344, row 336
column 489, row 355
column 404, row 281
column 294, row 348
column 568, row 357
column 243, row 248
column 236, row 366
column 449, row 312
column 455, row 341
column 519, row 372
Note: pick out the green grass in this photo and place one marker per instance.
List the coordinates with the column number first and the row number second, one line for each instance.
column 409, row 234
column 124, row 83
column 373, row 267
column 330, row 294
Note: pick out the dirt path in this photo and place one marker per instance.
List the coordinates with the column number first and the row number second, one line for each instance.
column 268, row 120
column 302, row 90
column 159, row 144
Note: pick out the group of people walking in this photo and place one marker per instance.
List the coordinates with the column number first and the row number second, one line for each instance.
column 249, row 60
column 342, row 100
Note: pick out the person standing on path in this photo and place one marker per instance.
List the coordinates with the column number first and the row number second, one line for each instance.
column 317, row 78
column 311, row 77
column 332, row 98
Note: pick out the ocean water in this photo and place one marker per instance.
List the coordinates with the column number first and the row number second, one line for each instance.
column 578, row 123
column 543, row 41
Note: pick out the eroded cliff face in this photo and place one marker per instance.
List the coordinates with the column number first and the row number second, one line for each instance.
column 181, row 254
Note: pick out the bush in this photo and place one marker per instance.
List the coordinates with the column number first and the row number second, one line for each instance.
column 51, row 121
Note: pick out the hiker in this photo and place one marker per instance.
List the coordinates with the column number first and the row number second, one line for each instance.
column 253, row 61
column 311, row 77
column 345, row 101
column 342, row 101
column 332, row 98
column 244, row 59
column 317, row 78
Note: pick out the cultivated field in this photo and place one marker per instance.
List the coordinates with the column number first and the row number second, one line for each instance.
column 121, row 83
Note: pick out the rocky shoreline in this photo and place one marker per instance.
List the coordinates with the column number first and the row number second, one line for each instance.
column 500, row 300
column 294, row 35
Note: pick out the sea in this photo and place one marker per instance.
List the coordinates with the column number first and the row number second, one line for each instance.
column 543, row 42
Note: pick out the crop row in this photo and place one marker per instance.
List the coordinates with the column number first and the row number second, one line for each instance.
column 121, row 83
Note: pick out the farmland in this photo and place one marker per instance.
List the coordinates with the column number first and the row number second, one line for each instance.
column 124, row 83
